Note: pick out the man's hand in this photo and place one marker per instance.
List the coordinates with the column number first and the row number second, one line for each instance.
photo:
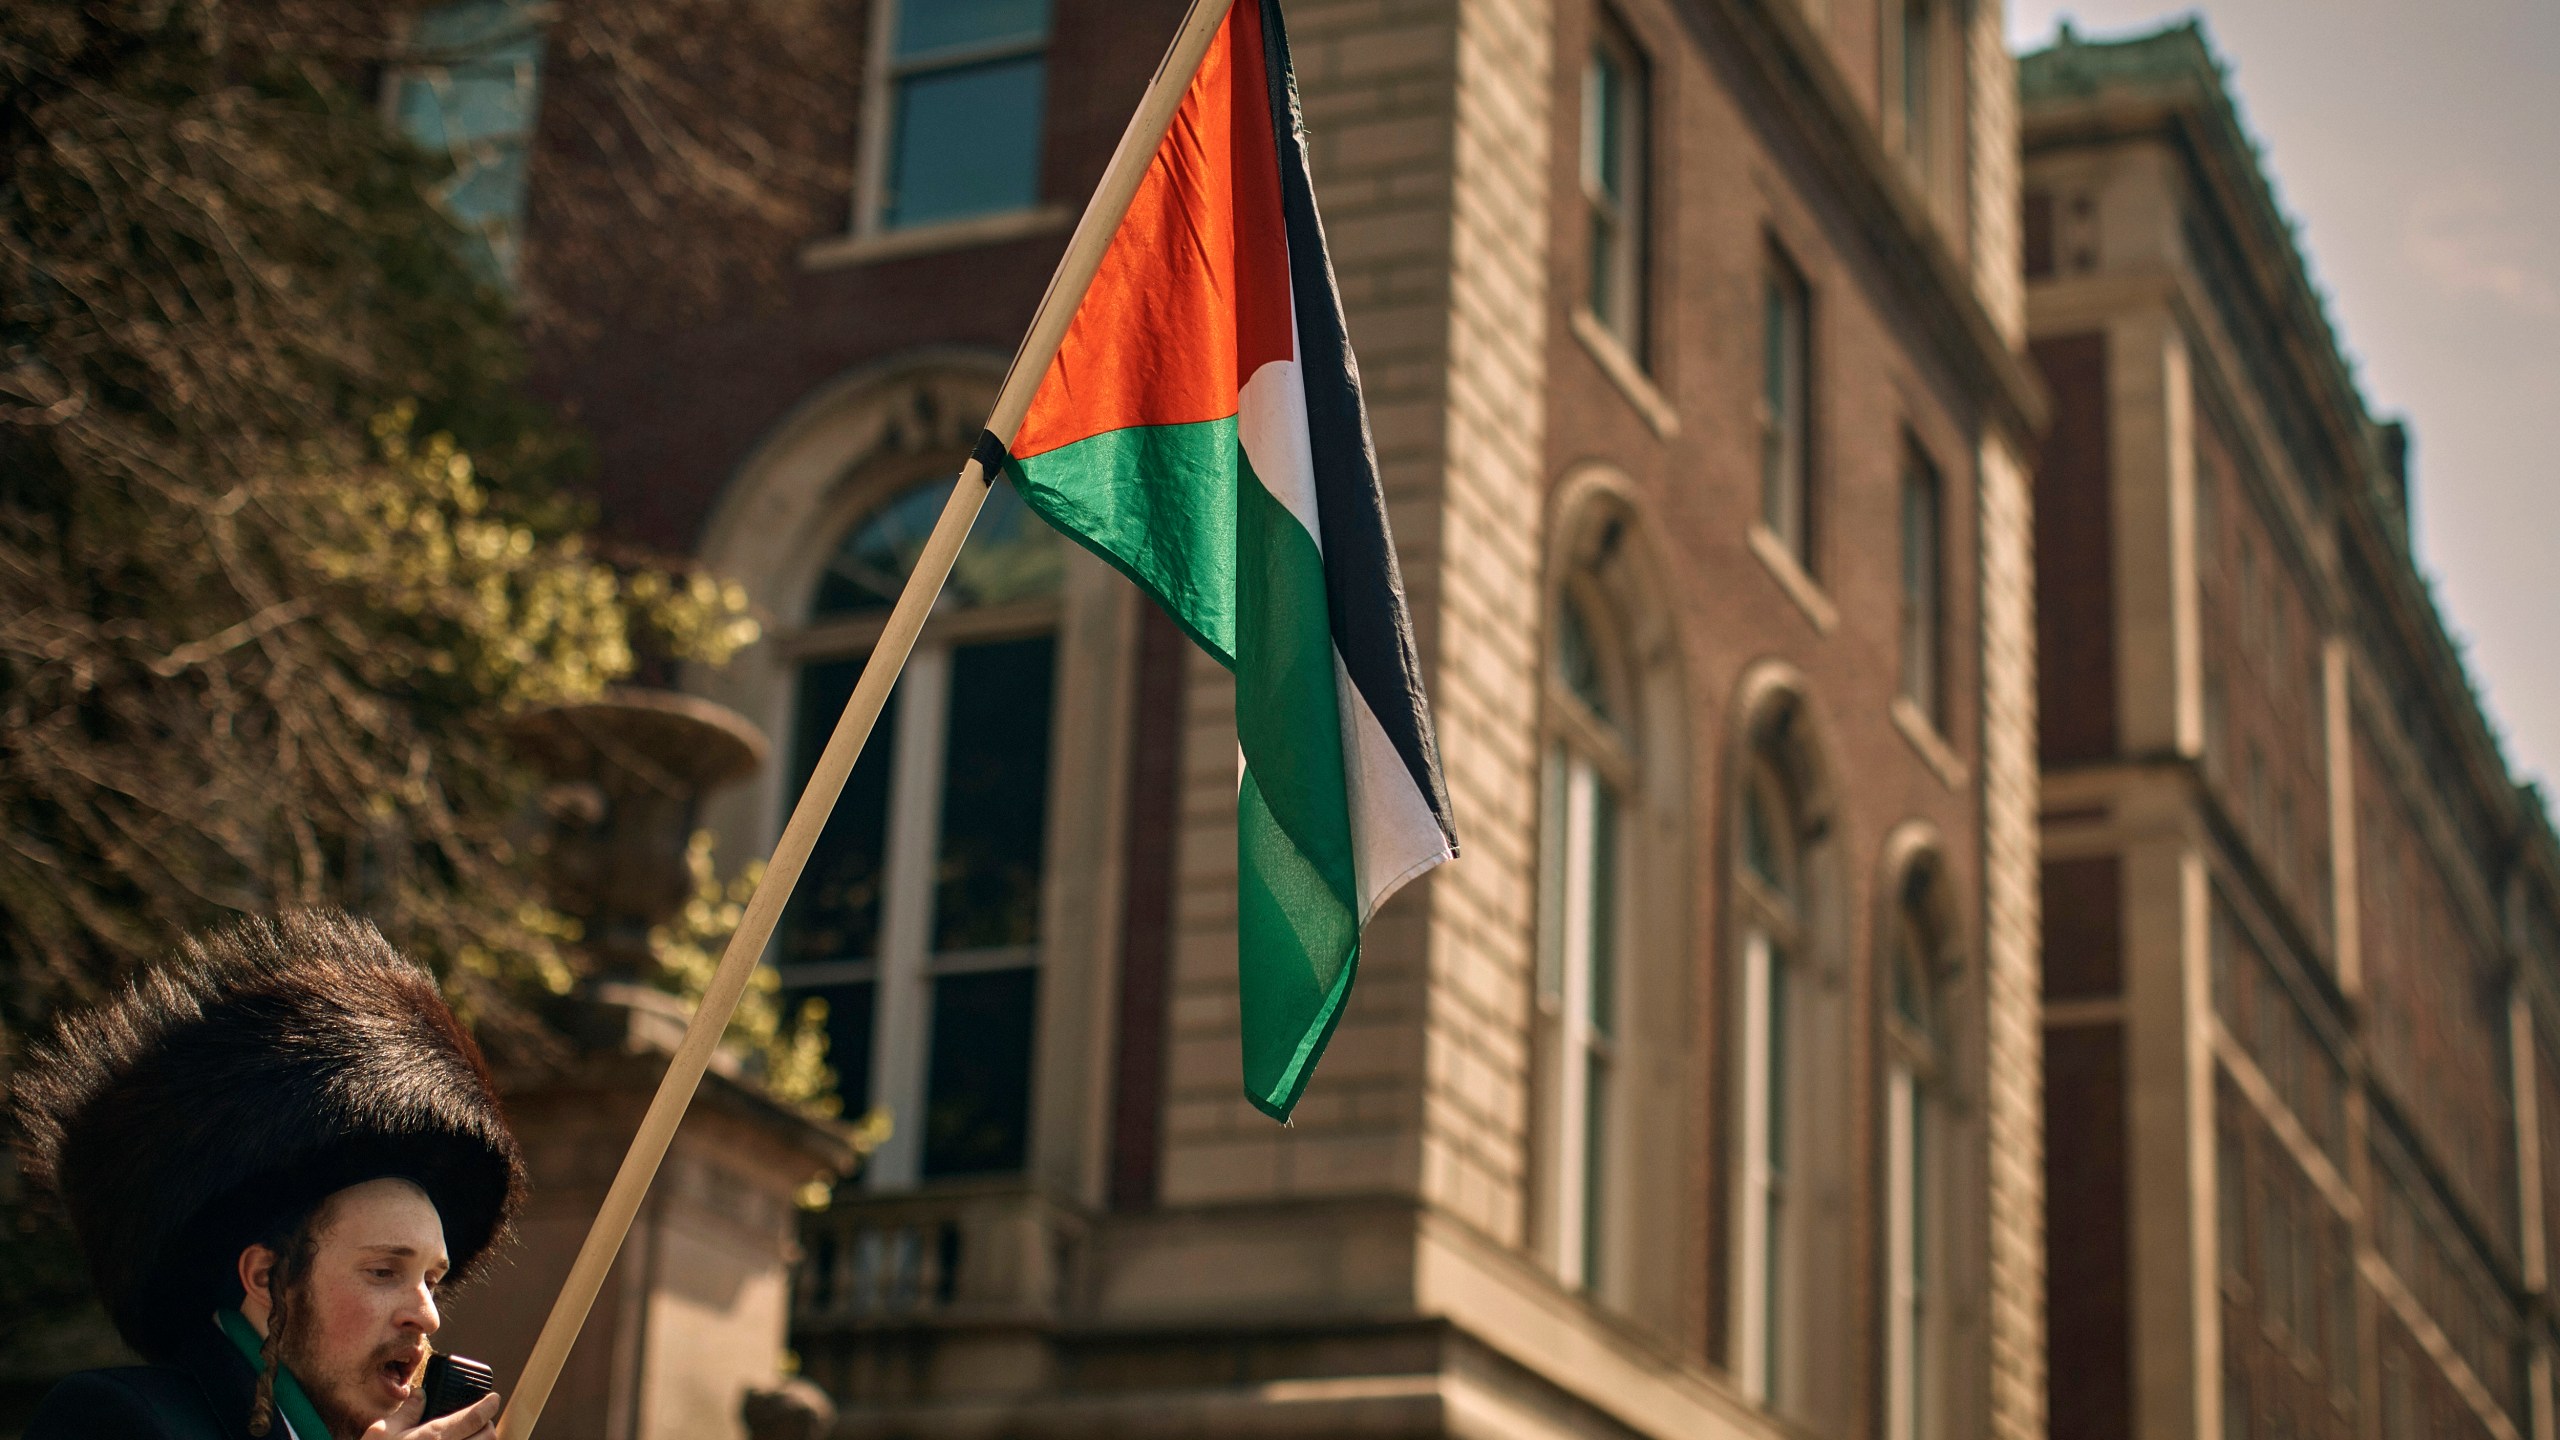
column 477, row 1421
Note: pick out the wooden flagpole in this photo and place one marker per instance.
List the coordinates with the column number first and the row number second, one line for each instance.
column 1067, row 286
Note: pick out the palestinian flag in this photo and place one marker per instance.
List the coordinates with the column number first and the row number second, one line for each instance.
column 1202, row 429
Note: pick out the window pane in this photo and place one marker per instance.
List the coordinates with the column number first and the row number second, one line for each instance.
column 1595, row 1150
column 995, row 795
column 1782, row 362
column 1767, row 838
column 1578, row 661
column 1603, row 124
column 968, row 142
column 851, row 1014
column 1604, row 910
column 1011, row 555
column 470, row 96
column 835, row 911
column 1921, row 597
column 978, row 1092
column 1604, row 267
column 925, row 26
column 1915, row 80
column 1777, row 1079
column 1911, row 988
column 1613, row 137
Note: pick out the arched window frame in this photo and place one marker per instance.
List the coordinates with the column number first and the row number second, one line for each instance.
column 1588, row 772
column 836, row 457
column 1769, row 904
column 912, row 960
column 1624, row 1243
column 1787, row 1038
column 1924, row 1137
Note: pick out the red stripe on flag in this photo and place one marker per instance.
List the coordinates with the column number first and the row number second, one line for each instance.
column 1193, row 294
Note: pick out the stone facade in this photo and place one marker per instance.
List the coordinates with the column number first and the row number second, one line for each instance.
column 2298, row 967
column 1439, row 1245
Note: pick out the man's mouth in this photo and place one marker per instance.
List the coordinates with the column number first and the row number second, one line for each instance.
column 398, row 1373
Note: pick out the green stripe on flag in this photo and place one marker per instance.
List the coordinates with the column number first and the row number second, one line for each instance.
column 1297, row 921
column 1159, row 503
column 1178, row 509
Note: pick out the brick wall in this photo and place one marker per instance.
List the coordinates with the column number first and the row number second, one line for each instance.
column 2075, row 555
column 2265, row 736
column 2438, row 1030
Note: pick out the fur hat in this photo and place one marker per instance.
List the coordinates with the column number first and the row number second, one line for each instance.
column 266, row 1067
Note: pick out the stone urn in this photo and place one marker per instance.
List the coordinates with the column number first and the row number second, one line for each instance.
column 627, row 773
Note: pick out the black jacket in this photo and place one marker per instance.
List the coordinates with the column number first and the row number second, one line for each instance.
column 205, row 1393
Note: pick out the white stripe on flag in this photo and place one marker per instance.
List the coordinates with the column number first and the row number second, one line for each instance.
column 1394, row 835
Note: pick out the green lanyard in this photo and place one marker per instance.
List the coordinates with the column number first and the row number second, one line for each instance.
column 291, row 1403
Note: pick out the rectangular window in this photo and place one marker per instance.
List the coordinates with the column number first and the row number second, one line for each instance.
column 1615, row 117
column 466, row 90
column 1786, row 505
column 957, row 117
column 1923, row 587
column 917, row 920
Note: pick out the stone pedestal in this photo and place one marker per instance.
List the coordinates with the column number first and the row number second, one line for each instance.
column 694, row 1313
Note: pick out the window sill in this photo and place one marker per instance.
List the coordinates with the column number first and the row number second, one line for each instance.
column 1924, row 737
column 1622, row 369
column 1800, row 587
column 843, row 250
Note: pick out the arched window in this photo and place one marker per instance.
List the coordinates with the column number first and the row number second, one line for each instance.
column 1769, row 892
column 1917, row 1140
column 918, row 919
column 1588, row 771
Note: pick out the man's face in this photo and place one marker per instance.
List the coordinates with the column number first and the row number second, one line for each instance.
column 356, row 1328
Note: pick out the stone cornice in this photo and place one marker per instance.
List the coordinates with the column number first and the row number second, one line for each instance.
column 1794, row 71
column 2166, row 89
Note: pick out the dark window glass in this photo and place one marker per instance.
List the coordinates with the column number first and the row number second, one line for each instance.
column 978, row 1092
column 1011, row 555
column 1785, row 436
column 1923, row 587
column 1604, row 909
column 968, row 79
column 834, row 913
column 1578, row 661
column 995, row 796
column 1614, row 121
column 1595, row 1166
column 851, row 1014
column 968, row 142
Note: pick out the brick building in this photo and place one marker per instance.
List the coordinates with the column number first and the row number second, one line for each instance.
column 1700, row 1098
column 2299, row 947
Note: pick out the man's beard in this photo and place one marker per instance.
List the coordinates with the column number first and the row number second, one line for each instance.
column 345, row 1421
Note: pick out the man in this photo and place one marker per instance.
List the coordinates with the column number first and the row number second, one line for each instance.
column 277, row 1152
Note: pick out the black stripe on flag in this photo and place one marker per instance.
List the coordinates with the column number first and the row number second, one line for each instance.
column 1364, row 588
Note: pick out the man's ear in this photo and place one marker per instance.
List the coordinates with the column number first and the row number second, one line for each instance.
column 257, row 1265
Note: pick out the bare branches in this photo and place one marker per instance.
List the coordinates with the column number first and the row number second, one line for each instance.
column 263, row 620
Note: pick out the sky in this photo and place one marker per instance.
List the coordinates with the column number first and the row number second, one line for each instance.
column 2417, row 145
